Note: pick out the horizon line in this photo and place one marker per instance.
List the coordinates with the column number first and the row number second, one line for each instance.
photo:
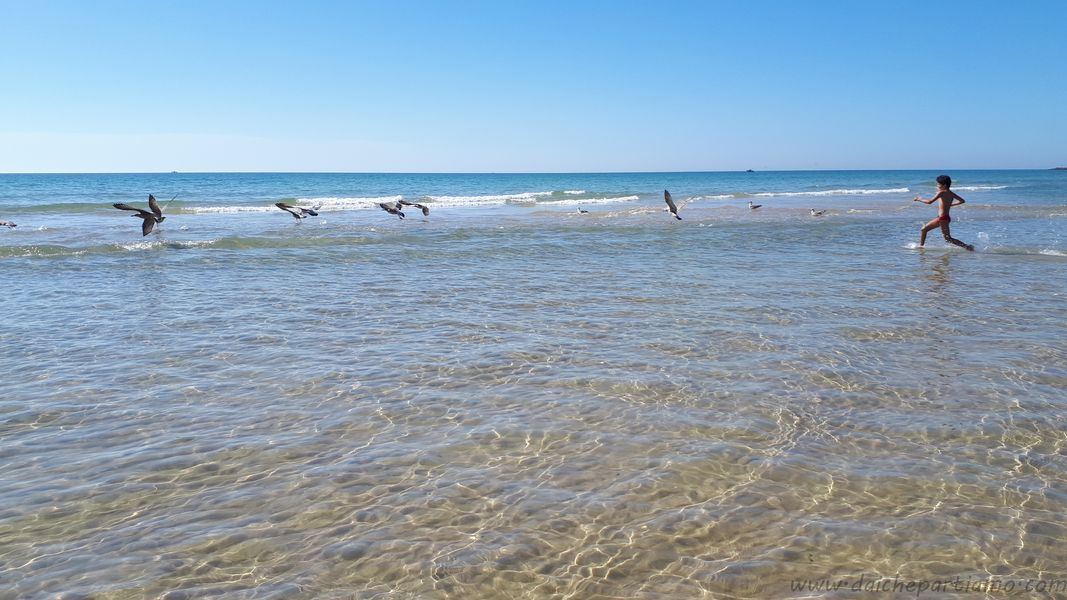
column 518, row 172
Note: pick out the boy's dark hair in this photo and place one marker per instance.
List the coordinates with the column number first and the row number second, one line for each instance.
column 944, row 180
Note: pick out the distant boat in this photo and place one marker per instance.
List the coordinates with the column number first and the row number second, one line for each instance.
column 1059, row 168
column 750, row 171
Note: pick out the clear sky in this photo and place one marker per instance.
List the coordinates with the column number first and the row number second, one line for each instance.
column 538, row 85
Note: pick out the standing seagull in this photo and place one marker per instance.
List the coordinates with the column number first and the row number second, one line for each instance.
column 817, row 213
column 392, row 208
column 298, row 212
column 149, row 219
column 753, row 206
column 582, row 211
column 7, row 224
column 670, row 204
column 425, row 209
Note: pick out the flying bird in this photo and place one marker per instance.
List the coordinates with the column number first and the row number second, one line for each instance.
column 149, row 219
column 670, row 204
column 753, row 206
column 298, row 212
column 392, row 208
column 817, row 213
column 7, row 224
column 425, row 209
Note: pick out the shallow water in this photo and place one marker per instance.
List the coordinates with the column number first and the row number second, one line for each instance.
column 515, row 400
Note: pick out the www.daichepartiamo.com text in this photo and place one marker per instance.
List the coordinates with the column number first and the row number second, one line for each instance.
column 897, row 585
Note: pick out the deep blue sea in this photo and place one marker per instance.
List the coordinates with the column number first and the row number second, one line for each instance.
column 547, row 387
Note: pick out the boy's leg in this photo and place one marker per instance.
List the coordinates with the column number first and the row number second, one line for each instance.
column 948, row 237
column 926, row 229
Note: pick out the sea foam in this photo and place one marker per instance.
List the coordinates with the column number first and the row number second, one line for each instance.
column 715, row 197
column 521, row 198
column 575, row 201
column 844, row 192
column 329, row 203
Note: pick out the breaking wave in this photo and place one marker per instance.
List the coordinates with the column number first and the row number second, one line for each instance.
column 843, row 192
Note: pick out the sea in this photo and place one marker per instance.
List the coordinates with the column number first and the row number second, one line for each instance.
column 547, row 387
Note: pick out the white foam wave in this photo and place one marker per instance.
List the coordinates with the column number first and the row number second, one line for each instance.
column 716, row 197
column 335, row 203
column 149, row 245
column 139, row 246
column 191, row 243
column 979, row 188
column 574, row 192
column 645, row 210
column 525, row 197
column 324, row 204
column 203, row 210
column 575, row 202
column 843, row 192
column 1051, row 252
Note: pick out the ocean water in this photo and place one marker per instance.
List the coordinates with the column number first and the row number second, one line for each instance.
column 512, row 399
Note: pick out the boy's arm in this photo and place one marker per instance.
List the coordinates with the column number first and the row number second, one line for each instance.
column 957, row 200
column 930, row 201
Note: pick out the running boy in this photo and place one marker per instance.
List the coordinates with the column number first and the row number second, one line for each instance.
column 948, row 199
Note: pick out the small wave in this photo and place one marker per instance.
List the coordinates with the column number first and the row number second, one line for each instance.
column 573, row 202
column 334, row 204
column 903, row 190
column 1017, row 251
column 204, row 210
column 42, row 250
column 223, row 209
column 574, row 192
column 986, row 248
column 139, row 246
column 191, row 244
column 182, row 245
column 716, row 197
column 642, row 210
column 330, row 203
column 980, row 188
column 525, row 197
column 224, row 243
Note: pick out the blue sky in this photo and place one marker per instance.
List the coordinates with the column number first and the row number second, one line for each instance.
column 531, row 86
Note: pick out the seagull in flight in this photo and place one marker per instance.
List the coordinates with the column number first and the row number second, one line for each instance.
column 670, row 204
column 7, row 224
column 425, row 209
column 298, row 212
column 149, row 219
column 392, row 208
